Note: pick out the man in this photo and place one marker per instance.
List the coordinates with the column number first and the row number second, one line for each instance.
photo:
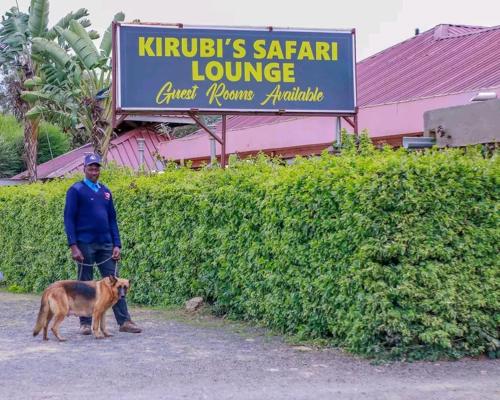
column 93, row 237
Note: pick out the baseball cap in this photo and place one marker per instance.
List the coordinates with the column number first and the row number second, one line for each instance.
column 92, row 159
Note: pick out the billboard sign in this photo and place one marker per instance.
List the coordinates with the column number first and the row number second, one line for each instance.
column 232, row 70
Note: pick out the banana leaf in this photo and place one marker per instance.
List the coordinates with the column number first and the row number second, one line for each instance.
column 63, row 23
column 52, row 50
column 106, row 38
column 39, row 17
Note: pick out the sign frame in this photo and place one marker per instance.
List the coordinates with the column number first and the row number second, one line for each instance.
column 119, row 113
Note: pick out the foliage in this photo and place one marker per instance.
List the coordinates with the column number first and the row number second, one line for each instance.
column 75, row 85
column 52, row 142
column 386, row 254
column 23, row 70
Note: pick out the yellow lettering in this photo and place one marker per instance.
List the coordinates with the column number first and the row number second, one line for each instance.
column 275, row 50
column 167, row 93
column 259, row 49
column 185, row 49
column 218, row 91
column 322, row 51
column 288, row 72
column 172, row 47
column 335, row 55
column 160, row 96
column 145, row 46
column 207, row 49
column 220, row 48
column 305, row 51
column 290, row 48
column 294, row 94
column 271, row 96
column 214, row 71
column 239, row 48
column 159, row 49
column 272, row 72
column 252, row 71
column 196, row 73
column 236, row 76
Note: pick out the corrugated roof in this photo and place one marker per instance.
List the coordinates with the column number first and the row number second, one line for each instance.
column 123, row 150
column 252, row 121
column 445, row 59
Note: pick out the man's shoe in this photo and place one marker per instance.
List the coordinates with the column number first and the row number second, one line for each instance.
column 130, row 327
column 85, row 330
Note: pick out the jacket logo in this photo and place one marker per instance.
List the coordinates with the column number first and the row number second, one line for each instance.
column 107, row 195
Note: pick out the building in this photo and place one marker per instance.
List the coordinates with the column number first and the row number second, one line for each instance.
column 123, row 150
column 442, row 67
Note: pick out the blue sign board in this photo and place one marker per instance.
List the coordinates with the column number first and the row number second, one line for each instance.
column 169, row 68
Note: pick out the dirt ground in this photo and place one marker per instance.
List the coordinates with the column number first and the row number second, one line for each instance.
column 183, row 357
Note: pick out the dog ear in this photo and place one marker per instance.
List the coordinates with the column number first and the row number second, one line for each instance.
column 113, row 280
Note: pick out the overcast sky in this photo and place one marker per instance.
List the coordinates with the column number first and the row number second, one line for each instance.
column 379, row 24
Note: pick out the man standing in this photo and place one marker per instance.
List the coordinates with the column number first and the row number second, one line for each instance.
column 93, row 237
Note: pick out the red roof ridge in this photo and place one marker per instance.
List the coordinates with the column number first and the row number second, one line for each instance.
column 465, row 26
column 429, row 32
column 479, row 30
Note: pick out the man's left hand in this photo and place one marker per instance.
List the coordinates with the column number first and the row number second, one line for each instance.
column 116, row 253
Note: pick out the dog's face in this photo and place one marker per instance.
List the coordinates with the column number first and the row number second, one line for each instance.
column 121, row 286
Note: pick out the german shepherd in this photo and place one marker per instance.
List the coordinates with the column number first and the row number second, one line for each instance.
column 81, row 298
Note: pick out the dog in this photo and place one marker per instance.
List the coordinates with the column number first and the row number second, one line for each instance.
column 80, row 298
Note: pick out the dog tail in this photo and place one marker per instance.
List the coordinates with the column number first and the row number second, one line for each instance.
column 41, row 321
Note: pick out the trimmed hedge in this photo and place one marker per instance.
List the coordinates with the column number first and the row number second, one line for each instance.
column 384, row 253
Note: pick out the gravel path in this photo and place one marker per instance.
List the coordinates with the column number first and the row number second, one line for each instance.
column 182, row 357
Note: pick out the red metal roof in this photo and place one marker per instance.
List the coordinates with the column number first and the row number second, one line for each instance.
column 123, row 150
column 251, row 121
column 442, row 60
column 445, row 59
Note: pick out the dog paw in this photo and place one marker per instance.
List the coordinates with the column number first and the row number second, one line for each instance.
column 107, row 334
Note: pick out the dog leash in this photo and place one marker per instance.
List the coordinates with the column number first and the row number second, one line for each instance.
column 81, row 265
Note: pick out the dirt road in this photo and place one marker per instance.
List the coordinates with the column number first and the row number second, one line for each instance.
column 180, row 357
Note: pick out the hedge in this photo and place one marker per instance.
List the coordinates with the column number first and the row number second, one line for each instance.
column 52, row 142
column 385, row 253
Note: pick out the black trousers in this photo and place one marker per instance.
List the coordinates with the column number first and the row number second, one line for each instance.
column 97, row 253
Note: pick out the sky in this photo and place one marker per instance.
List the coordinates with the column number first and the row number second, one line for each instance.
column 379, row 24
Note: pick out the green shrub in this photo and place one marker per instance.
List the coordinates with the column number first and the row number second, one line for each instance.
column 11, row 144
column 382, row 253
column 52, row 142
column 10, row 163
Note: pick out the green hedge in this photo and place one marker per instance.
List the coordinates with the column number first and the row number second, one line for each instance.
column 384, row 253
column 52, row 142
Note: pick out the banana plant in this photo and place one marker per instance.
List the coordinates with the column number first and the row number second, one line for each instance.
column 18, row 30
column 75, row 84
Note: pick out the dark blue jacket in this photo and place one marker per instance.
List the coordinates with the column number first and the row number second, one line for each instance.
column 89, row 216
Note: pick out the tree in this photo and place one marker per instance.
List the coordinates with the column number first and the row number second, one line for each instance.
column 75, row 82
column 18, row 30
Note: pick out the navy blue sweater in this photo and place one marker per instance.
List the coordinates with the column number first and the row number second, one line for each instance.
column 89, row 216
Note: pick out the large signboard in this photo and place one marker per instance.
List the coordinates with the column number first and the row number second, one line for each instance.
column 231, row 70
